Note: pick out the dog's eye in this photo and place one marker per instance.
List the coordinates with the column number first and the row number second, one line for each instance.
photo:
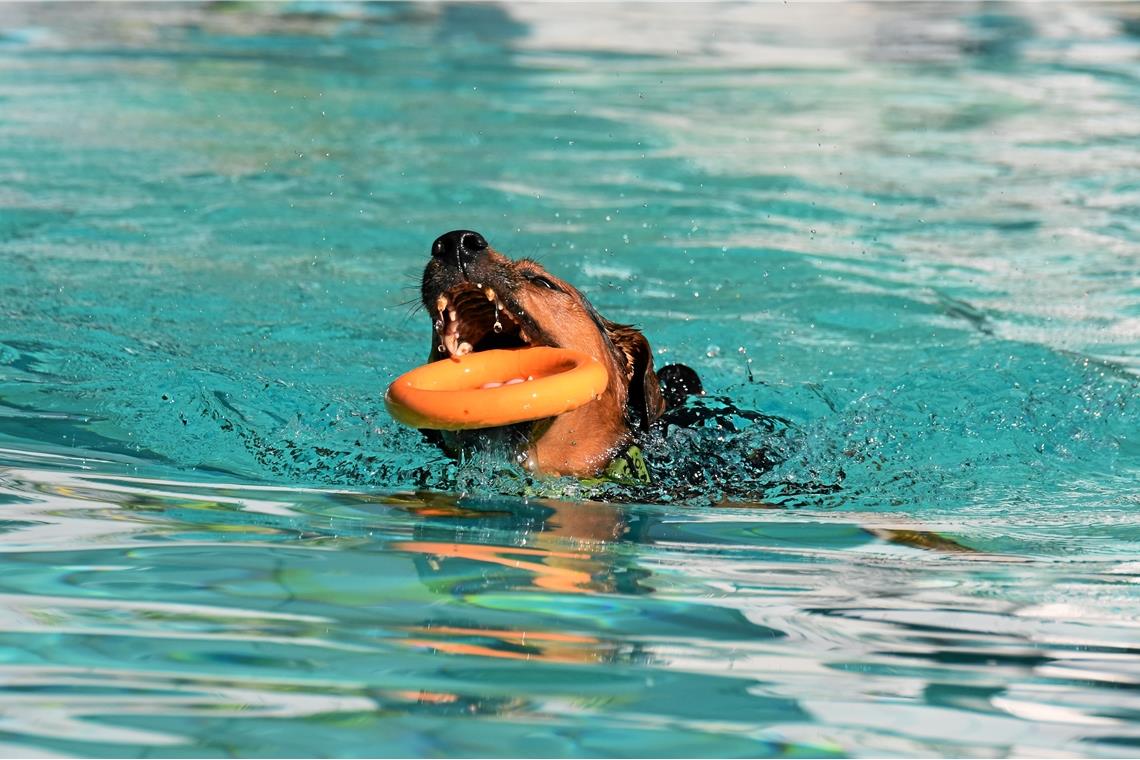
column 540, row 280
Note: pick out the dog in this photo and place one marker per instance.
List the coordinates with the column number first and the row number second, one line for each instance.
column 480, row 299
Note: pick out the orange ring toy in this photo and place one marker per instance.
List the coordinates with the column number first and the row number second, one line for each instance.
column 496, row 387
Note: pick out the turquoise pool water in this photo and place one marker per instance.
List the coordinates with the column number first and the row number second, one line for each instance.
column 908, row 235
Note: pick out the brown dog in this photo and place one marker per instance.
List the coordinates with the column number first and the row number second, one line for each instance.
column 480, row 300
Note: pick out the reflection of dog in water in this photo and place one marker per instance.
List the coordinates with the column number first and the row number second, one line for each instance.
column 483, row 300
column 465, row 548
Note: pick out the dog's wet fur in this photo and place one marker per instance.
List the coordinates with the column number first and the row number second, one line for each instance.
column 479, row 300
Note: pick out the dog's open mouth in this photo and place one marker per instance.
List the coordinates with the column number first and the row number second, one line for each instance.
column 471, row 318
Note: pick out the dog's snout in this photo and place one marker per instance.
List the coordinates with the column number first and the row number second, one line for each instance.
column 460, row 247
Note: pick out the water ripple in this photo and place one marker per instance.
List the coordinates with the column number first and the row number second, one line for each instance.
column 899, row 244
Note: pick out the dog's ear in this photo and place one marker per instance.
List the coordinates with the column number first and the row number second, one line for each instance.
column 678, row 382
column 645, row 402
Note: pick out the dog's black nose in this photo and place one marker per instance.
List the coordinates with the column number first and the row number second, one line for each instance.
column 458, row 247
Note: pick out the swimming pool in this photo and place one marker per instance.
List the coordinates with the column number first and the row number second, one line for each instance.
column 907, row 234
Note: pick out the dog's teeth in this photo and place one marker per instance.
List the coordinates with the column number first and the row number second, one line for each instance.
column 441, row 304
column 453, row 314
column 451, row 343
column 523, row 336
column 489, row 293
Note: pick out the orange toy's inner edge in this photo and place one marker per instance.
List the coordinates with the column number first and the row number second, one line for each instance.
column 496, row 387
column 461, row 375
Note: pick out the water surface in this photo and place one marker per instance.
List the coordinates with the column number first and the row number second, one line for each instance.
column 906, row 234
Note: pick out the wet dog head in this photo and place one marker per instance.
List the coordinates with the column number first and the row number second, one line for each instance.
column 480, row 300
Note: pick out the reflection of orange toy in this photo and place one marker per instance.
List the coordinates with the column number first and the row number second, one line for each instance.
column 549, row 567
column 495, row 387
